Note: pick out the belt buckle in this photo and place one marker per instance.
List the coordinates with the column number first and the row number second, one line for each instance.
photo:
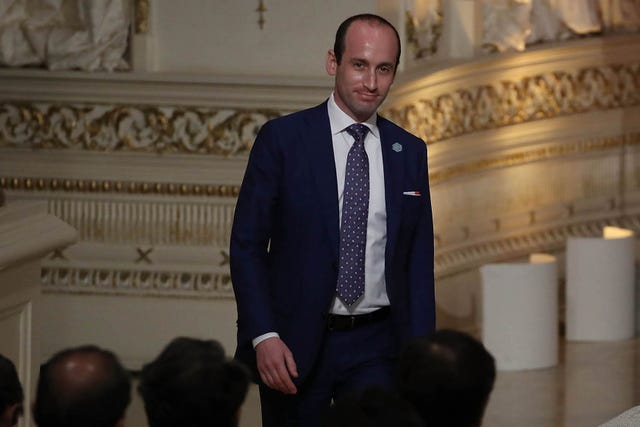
column 353, row 322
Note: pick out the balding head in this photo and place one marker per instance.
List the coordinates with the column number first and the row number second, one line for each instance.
column 83, row 386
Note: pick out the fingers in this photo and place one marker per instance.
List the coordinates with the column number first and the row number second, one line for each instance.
column 291, row 364
column 274, row 362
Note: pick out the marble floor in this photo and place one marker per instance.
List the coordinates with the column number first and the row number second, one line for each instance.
column 592, row 383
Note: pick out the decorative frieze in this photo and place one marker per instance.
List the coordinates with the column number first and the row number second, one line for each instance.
column 70, row 185
column 102, row 281
column 540, row 238
column 509, row 102
column 110, row 127
column 151, row 222
column 537, row 154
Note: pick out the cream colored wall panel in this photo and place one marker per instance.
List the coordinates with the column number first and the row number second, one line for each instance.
column 20, row 323
column 136, row 328
column 224, row 36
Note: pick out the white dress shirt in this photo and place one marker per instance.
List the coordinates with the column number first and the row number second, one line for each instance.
column 375, row 291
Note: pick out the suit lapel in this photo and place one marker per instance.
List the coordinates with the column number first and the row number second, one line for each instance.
column 393, row 179
column 323, row 169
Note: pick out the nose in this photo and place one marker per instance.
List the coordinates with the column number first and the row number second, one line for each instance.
column 371, row 80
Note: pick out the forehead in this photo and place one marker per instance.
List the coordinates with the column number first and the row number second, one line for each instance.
column 371, row 37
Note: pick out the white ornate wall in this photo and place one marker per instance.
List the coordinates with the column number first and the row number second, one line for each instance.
column 147, row 170
column 525, row 150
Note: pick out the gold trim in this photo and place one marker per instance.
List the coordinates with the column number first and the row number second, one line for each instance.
column 545, row 153
column 33, row 184
column 141, row 15
column 261, row 9
column 510, row 102
column 120, row 127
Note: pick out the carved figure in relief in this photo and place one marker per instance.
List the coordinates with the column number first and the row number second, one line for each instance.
column 65, row 34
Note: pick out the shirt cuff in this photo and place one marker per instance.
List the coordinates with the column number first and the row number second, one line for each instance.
column 257, row 340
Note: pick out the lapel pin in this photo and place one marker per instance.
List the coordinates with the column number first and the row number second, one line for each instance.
column 397, row 147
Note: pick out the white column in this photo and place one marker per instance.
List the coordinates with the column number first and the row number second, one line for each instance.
column 600, row 287
column 27, row 233
column 520, row 313
column 462, row 31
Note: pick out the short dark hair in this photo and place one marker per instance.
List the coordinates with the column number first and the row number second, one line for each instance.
column 101, row 402
column 191, row 384
column 341, row 34
column 10, row 387
column 371, row 407
column 448, row 377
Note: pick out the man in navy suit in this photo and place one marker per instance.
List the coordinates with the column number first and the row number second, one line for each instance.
column 306, row 341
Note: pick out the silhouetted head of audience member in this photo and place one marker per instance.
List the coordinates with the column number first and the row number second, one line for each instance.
column 192, row 384
column 80, row 387
column 11, row 394
column 448, row 377
column 372, row 407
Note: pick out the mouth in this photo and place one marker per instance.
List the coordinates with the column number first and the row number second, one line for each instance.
column 368, row 96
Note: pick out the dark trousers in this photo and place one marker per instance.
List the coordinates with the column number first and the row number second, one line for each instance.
column 349, row 361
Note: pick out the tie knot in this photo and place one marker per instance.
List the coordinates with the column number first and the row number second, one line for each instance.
column 358, row 131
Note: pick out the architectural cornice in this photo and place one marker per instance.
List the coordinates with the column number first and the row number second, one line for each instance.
column 156, row 88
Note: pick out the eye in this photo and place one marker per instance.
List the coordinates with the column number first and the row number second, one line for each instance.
column 385, row 69
column 358, row 65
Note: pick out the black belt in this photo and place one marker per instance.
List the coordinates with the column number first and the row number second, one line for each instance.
column 341, row 322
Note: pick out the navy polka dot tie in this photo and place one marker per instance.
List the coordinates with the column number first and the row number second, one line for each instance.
column 355, row 212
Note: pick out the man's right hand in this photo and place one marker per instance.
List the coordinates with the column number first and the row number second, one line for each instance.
column 276, row 365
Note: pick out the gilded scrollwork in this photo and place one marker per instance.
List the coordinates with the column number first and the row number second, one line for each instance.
column 105, row 127
column 516, row 101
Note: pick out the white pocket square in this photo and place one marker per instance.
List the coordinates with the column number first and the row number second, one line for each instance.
column 412, row 193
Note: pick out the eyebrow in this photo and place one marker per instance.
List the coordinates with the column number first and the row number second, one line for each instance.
column 383, row 64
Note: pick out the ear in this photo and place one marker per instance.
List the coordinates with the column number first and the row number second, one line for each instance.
column 332, row 63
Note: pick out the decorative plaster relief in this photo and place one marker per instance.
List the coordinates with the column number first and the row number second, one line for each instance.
column 547, row 238
column 537, row 154
column 510, row 102
column 424, row 31
column 102, row 281
column 108, row 127
column 32, row 184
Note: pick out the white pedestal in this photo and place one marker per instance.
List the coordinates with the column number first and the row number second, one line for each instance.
column 520, row 313
column 600, row 287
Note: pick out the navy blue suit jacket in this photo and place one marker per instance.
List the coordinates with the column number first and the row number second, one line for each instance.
column 285, row 236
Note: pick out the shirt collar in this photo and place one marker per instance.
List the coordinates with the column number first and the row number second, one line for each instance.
column 339, row 120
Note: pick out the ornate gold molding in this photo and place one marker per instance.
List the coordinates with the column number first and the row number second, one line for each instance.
column 106, row 127
column 32, row 184
column 511, row 102
column 537, row 154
